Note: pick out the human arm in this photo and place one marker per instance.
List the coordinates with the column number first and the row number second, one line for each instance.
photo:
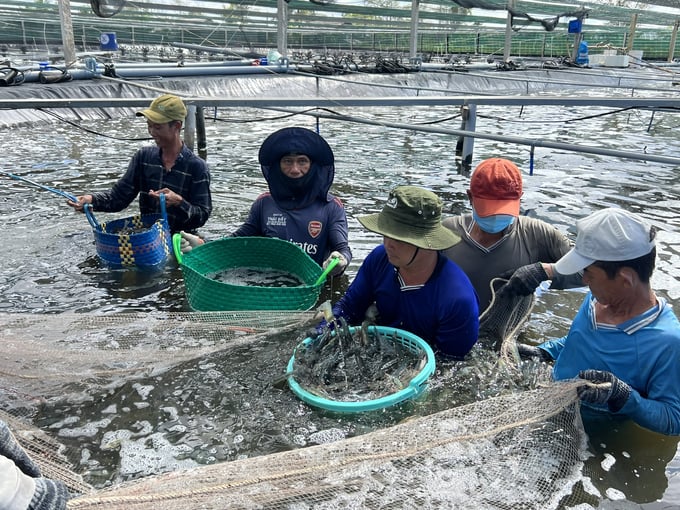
column 551, row 349
column 124, row 191
column 21, row 485
column 338, row 241
column 531, row 351
column 252, row 225
column 187, row 193
column 457, row 308
column 360, row 294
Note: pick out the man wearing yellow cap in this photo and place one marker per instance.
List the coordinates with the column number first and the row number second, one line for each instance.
column 170, row 168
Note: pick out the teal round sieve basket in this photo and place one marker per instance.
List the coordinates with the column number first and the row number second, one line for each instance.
column 416, row 386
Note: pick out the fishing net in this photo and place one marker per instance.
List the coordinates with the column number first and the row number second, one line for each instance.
column 519, row 445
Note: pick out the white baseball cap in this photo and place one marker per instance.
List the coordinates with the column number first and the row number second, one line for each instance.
column 608, row 235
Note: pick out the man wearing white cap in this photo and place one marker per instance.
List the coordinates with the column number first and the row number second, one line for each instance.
column 624, row 340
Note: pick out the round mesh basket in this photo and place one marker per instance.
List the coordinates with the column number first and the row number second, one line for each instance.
column 265, row 253
column 416, row 386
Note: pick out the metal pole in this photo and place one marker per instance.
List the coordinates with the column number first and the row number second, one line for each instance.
column 282, row 27
column 674, row 37
column 413, row 49
column 508, row 32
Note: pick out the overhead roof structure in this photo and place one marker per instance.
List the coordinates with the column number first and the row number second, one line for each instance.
column 315, row 16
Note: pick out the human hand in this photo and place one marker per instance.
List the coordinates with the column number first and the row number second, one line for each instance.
column 189, row 242
column 171, row 198
column 525, row 279
column 531, row 351
column 340, row 266
column 609, row 389
column 81, row 201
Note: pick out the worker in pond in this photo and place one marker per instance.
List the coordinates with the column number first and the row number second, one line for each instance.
column 624, row 343
column 407, row 282
column 499, row 242
column 170, row 168
column 299, row 167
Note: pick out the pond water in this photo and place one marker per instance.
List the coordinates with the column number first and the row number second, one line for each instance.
column 221, row 407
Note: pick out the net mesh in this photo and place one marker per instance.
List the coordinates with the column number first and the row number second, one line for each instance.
column 521, row 445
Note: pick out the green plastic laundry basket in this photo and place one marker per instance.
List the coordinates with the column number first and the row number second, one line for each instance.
column 266, row 253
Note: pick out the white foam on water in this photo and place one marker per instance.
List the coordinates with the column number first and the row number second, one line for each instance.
column 151, row 454
column 143, row 390
column 608, row 461
column 89, row 430
column 327, row 436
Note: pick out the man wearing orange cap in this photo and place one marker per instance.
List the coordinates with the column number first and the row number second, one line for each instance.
column 497, row 241
column 169, row 168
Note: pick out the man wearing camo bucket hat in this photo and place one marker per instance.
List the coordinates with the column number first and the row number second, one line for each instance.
column 411, row 284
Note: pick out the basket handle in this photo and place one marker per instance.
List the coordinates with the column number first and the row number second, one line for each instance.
column 164, row 213
column 328, row 269
column 90, row 215
column 176, row 246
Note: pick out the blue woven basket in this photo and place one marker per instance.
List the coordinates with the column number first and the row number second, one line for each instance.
column 415, row 387
column 150, row 247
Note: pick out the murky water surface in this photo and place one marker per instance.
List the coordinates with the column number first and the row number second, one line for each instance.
column 223, row 407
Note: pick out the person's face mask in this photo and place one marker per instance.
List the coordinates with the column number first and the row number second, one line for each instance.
column 493, row 224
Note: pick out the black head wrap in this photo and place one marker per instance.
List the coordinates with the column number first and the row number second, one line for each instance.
column 297, row 193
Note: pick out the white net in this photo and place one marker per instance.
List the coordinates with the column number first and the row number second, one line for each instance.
column 520, row 445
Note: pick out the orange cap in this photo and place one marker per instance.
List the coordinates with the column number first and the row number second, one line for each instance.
column 496, row 187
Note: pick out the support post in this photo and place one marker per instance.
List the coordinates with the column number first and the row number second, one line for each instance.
column 201, row 139
column 631, row 33
column 190, row 127
column 413, row 50
column 674, row 38
column 466, row 144
column 67, row 41
column 282, row 27
column 508, row 33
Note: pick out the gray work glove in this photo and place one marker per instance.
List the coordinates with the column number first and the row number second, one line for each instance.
column 340, row 266
column 10, row 448
column 531, row 351
column 49, row 495
column 525, row 279
column 189, row 242
column 615, row 394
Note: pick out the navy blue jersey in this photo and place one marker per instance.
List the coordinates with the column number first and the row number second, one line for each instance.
column 318, row 229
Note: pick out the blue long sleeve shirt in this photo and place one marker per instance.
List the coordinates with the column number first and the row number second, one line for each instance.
column 444, row 311
column 188, row 177
column 643, row 352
